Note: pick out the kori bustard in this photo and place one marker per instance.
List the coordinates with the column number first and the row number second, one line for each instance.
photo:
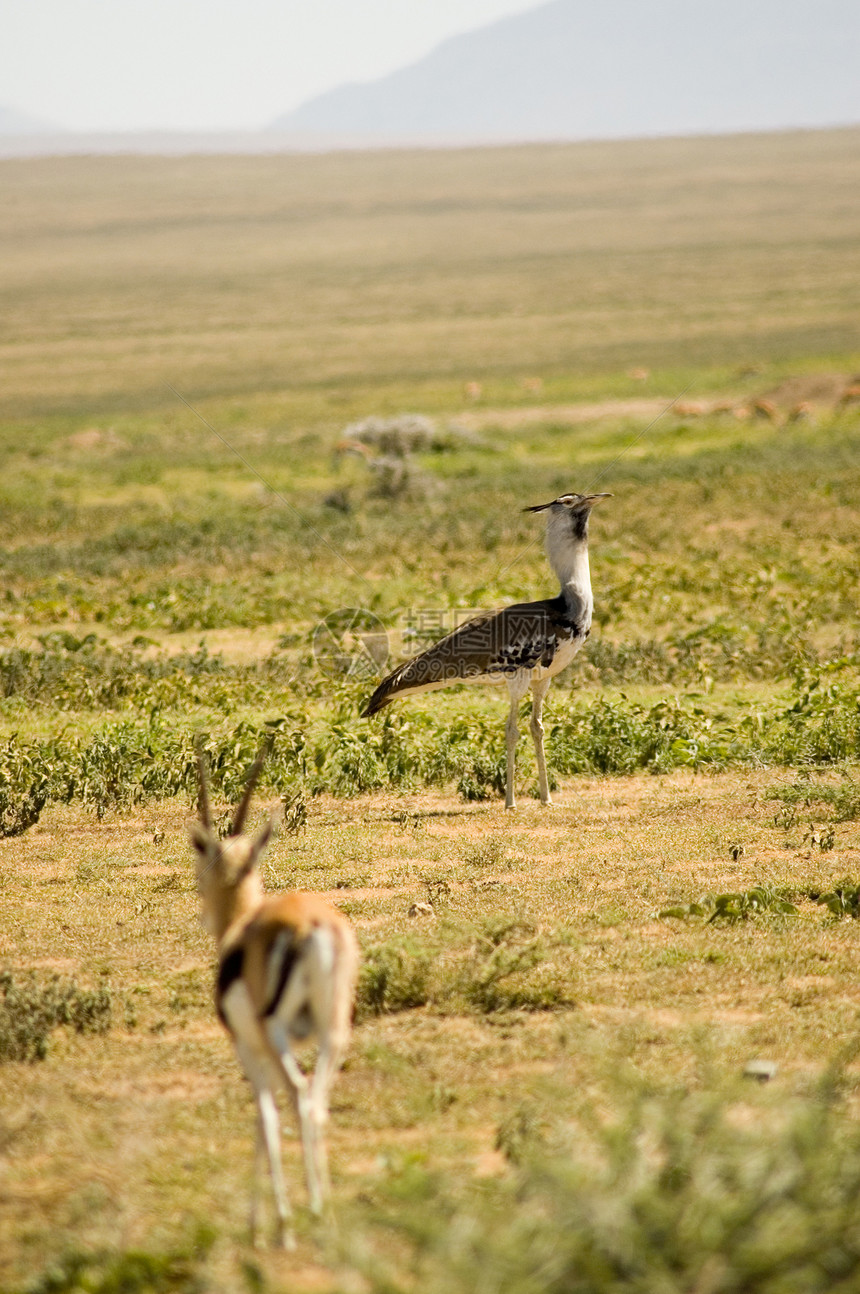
column 525, row 645
column 287, row 967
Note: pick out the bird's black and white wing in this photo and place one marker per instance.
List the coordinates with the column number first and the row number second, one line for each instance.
column 490, row 647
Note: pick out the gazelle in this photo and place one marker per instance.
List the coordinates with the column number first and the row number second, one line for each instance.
column 287, row 968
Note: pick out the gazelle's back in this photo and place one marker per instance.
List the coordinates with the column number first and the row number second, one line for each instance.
column 298, row 959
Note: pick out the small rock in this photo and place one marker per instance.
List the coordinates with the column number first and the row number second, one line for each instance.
column 763, row 1070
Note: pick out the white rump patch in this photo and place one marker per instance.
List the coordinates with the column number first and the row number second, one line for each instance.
column 239, row 1011
column 322, row 943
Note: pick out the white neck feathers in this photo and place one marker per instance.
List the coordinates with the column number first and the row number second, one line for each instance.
column 567, row 549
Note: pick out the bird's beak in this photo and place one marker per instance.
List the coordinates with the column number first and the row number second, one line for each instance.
column 587, row 501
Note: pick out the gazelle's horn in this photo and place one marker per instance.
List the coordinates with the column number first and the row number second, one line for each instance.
column 253, row 776
column 203, row 808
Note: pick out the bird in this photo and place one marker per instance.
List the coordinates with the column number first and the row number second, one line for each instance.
column 524, row 645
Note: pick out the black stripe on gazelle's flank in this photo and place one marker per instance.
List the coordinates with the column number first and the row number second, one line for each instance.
column 229, row 971
column 288, row 946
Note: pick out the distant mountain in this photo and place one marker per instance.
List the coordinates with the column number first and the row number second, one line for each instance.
column 612, row 68
column 13, row 122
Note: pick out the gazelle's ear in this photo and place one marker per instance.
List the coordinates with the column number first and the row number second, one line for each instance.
column 201, row 838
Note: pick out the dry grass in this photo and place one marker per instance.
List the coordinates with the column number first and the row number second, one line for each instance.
column 126, row 1139
column 328, row 277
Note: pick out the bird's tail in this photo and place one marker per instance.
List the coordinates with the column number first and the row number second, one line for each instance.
column 380, row 699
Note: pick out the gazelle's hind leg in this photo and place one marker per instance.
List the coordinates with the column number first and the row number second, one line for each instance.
column 518, row 685
column 332, row 1049
column 333, row 970
column 298, row 1087
column 540, row 686
column 268, row 1144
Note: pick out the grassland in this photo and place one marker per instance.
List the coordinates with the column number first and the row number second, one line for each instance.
column 335, row 279
column 546, row 1089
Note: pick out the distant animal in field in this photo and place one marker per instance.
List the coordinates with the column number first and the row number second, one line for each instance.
column 287, row 968
column 524, row 645
column 765, row 409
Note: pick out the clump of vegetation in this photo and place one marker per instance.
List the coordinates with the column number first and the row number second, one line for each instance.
column 133, row 1271
column 394, row 977
column 668, row 1190
column 500, row 963
column 491, row 852
column 317, row 748
column 25, row 786
column 295, row 812
column 741, row 906
column 521, row 1133
column 511, row 965
column 843, row 798
column 843, row 900
column 30, row 1011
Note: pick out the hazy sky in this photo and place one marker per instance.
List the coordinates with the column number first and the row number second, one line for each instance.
column 209, row 64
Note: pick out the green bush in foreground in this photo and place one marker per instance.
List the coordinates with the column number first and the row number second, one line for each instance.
column 135, row 1271
column 670, row 1193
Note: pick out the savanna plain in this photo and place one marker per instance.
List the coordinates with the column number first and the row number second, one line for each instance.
column 267, row 425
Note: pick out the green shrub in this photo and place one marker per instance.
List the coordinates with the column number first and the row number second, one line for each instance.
column 394, row 977
column 135, row 1271
column 736, row 907
column 660, row 1191
column 843, row 900
column 30, row 1011
column 500, row 964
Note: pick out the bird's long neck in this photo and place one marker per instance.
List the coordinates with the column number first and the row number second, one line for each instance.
column 567, row 549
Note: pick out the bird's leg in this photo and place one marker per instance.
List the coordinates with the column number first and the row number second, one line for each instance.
column 539, row 691
column 518, row 685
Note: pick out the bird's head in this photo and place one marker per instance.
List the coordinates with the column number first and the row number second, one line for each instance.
column 569, row 503
column 568, row 516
